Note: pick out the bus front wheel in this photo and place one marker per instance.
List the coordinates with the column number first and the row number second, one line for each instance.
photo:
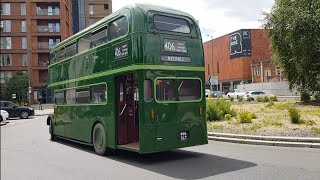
column 52, row 136
column 99, row 139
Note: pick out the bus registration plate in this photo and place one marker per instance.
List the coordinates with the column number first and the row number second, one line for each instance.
column 183, row 135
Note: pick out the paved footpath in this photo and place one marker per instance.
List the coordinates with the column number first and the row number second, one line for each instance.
column 28, row 154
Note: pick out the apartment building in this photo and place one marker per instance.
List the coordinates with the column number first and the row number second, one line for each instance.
column 87, row 12
column 28, row 30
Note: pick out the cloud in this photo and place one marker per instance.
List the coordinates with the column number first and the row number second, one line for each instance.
column 216, row 17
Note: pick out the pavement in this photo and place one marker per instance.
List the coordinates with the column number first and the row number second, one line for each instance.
column 303, row 142
column 26, row 149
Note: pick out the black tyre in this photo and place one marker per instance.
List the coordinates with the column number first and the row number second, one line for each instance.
column 1, row 119
column 52, row 136
column 24, row 114
column 99, row 139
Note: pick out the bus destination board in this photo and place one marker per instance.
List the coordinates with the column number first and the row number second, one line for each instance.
column 175, row 46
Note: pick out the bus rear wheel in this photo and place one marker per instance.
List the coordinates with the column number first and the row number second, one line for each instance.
column 99, row 139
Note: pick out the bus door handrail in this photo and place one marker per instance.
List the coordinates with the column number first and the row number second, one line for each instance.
column 125, row 105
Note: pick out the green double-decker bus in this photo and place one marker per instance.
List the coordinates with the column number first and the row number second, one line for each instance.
column 133, row 80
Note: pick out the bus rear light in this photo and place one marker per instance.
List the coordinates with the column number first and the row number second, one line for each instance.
column 200, row 110
column 152, row 115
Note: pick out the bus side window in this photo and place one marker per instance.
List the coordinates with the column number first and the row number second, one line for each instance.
column 147, row 89
column 83, row 96
column 71, row 50
column 59, row 97
column 60, row 55
column 84, row 43
column 71, row 96
column 99, row 37
column 99, row 93
column 118, row 28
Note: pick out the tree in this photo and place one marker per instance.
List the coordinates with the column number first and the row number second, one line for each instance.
column 294, row 33
column 18, row 85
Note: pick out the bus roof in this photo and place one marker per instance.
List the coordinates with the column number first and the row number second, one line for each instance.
column 133, row 7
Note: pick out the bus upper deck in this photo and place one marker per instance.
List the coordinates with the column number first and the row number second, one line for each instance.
column 141, row 35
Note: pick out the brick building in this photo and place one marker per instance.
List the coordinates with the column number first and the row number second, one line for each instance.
column 240, row 57
column 87, row 12
column 29, row 29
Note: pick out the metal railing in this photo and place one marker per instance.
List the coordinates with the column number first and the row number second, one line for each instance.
column 43, row 63
column 46, row 12
column 45, row 45
column 47, row 29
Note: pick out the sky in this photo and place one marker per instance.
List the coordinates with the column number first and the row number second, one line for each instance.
column 216, row 17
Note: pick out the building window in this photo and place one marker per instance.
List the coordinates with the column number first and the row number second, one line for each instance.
column 24, row 42
column 5, row 60
column 5, row 26
column 5, row 76
column 23, row 9
column 106, row 9
column 218, row 68
column 92, row 21
column 24, row 60
column 53, row 42
column 256, row 71
column 5, row 43
column 208, row 69
column 5, row 9
column 23, row 26
column 91, row 9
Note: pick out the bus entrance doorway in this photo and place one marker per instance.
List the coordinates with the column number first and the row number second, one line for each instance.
column 127, row 111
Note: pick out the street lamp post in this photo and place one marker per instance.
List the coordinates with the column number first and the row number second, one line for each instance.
column 211, row 60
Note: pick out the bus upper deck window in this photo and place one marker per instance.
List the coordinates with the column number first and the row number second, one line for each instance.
column 118, row 28
column 165, row 23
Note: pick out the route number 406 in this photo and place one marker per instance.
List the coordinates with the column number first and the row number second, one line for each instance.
column 169, row 46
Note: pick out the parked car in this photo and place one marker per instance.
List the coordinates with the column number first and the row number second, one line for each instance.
column 253, row 95
column 4, row 115
column 235, row 94
column 217, row 94
column 15, row 110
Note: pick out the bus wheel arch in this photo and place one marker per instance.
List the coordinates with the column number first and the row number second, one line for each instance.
column 99, row 138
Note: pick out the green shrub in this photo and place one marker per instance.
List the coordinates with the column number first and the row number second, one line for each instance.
column 294, row 115
column 315, row 131
column 216, row 127
column 245, row 117
column 260, row 99
column 270, row 104
column 218, row 108
column 317, row 96
column 255, row 127
column 273, row 98
column 266, row 99
column 309, row 122
column 305, row 96
column 227, row 116
column 253, row 115
column 240, row 99
column 249, row 99
column 231, row 99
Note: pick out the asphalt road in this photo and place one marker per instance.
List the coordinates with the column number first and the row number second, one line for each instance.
column 27, row 153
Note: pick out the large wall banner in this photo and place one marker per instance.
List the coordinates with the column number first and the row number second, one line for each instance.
column 240, row 43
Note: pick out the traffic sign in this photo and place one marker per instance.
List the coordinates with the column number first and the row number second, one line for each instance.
column 213, row 80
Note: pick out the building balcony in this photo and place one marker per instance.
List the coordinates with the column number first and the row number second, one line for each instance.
column 48, row 29
column 45, row 45
column 46, row 12
column 43, row 63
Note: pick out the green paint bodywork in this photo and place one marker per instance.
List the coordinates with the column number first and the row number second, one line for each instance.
column 98, row 65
